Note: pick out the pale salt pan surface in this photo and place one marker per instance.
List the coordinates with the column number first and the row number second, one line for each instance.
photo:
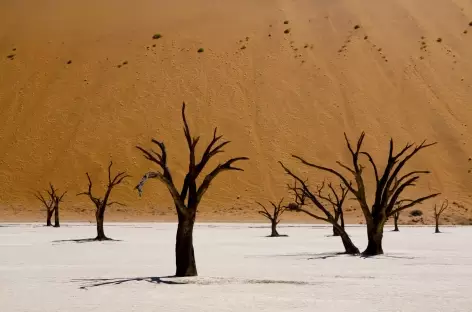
column 240, row 270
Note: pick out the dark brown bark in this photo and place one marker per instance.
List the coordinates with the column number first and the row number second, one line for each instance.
column 438, row 212
column 49, row 217
column 48, row 204
column 102, row 203
column 274, row 217
column 100, row 231
column 187, row 200
column 274, row 232
column 184, row 252
column 56, row 216
column 389, row 186
column 349, row 246
column 396, row 216
column 374, row 236
column 302, row 192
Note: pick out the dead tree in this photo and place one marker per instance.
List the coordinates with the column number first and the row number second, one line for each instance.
column 48, row 204
column 396, row 216
column 389, row 186
column 56, row 200
column 301, row 193
column 336, row 200
column 438, row 212
column 102, row 203
column 187, row 200
column 273, row 217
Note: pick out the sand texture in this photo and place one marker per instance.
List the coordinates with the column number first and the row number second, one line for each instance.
column 83, row 82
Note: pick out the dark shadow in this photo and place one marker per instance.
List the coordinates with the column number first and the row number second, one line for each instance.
column 95, row 282
column 327, row 255
column 202, row 281
column 280, row 235
column 307, row 255
column 387, row 256
column 86, row 240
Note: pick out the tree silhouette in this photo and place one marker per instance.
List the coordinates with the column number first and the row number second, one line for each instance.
column 187, row 200
column 438, row 212
column 274, row 217
column 102, row 203
column 389, row 186
column 301, row 192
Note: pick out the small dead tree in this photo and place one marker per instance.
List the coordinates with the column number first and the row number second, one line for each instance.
column 57, row 199
column 438, row 212
column 187, row 200
column 389, row 186
column 102, row 203
column 301, row 193
column 48, row 204
column 396, row 216
column 273, row 217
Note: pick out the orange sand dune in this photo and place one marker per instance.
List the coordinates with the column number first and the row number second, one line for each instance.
column 272, row 93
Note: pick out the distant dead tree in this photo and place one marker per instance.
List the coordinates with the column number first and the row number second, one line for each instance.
column 302, row 192
column 56, row 199
column 396, row 216
column 48, row 204
column 187, row 200
column 51, row 204
column 274, row 217
column 389, row 186
column 438, row 212
column 102, row 203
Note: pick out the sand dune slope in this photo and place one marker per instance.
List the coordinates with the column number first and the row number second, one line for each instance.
column 83, row 82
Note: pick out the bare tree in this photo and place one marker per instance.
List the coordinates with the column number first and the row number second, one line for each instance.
column 187, row 200
column 273, row 217
column 301, row 193
column 102, row 203
column 389, row 185
column 336, row 200
column 438, row 212
column 48, row 204
column 55, row 199
column 396, row 216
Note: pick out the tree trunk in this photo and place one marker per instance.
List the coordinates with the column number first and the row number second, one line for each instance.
column 49, row 217
column 336, row 232
column 274, row 232
column 437, row 226
column 56, row 216
column 349, row 246
column 395, row 221
column 100, row 231
column 184, row 254
column 374, row 235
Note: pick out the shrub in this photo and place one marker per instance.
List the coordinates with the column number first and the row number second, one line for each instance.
column 357, row 27
column 69, row 62
column 416, row 213
column 201, row 50
column 286, row 31
column 439, row 40
column 157, row 36
column 285, row 22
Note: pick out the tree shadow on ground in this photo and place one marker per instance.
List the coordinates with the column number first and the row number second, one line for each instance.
column 389, row 256
column 86, row 240
column 96, row 282
column 202, row 281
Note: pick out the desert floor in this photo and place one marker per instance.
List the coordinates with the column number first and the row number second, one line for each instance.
column 239, row 270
